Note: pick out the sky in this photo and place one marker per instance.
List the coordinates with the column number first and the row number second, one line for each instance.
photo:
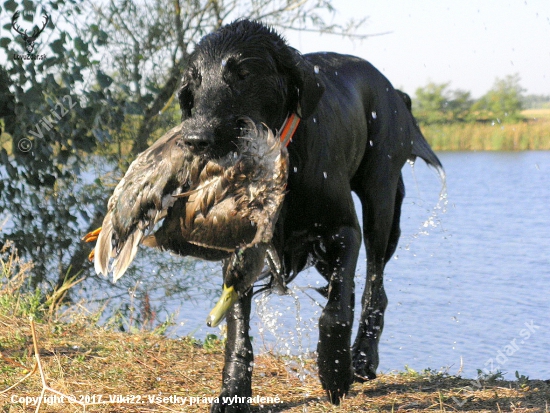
column 468, row 43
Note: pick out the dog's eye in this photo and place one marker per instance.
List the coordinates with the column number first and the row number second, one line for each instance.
column 243, row 73
column 194, row 76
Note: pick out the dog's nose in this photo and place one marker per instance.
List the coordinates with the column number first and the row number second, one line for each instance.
column 198, row 142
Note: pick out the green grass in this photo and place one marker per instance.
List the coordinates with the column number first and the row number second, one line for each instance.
column 531, row 134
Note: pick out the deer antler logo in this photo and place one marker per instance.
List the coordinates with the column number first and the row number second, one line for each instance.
column 29, row 40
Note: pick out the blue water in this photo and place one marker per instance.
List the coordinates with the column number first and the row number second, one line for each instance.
column 478, row 281
column 468, row 291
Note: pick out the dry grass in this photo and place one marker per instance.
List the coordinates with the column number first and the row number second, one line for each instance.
column 86, row 361
column 536, row 114
column 106, row 371
column 531, row 134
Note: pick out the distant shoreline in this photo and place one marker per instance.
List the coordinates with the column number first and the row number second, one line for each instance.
column 531, row 134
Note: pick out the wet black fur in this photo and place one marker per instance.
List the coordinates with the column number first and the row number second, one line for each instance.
column 355, row 136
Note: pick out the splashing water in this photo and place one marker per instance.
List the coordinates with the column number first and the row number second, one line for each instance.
column 433, row 220
column 291, row 339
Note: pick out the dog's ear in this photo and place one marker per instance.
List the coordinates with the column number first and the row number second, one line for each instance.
column 406, row 98
column 309, row 88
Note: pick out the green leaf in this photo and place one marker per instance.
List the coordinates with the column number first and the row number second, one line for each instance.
column 77, row 75
column 50, row 61
column 33, row 95
column 80, row 45
column 10, row 5
column 4, row 42
column 82, row 60
column 133, row 108
column 12, row 172
column 103, row 80
column 68, row 79
column 49, row 180
column 58, row 47
column 102, row 38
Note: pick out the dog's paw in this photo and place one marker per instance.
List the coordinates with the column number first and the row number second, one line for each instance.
column 363, row 368
column 230, row 408
column 336, row 376
column 337, row 391
column 230, row 403
column 361, row 376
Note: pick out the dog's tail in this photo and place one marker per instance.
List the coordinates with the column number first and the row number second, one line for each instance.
column 420, row 147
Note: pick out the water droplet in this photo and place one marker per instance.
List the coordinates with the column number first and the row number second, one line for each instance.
column 314, row 120
column 224, row 62
column 336, row 73
column 316, row 69
column 295, row 169
column 325, row 175
column 373, row 114
column 336, row 361
column 371, row 143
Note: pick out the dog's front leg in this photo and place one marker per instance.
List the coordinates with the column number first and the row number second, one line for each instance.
column 240, row 271
column 335, row 323
column 237, row 371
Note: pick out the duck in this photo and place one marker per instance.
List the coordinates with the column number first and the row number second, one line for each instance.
column 207, row 208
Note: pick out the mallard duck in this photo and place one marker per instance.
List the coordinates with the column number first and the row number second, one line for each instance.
column 210, row 208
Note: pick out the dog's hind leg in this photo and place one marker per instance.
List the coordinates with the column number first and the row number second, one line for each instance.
column 335, row 324
column 381, row 215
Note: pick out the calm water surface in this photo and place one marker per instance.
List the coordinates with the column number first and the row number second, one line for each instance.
column 468, row 287
column 471, row 290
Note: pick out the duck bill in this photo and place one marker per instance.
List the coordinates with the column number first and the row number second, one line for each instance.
column 218, row 313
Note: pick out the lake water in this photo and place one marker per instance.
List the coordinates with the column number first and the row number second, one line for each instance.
column 470, row 289
column 471, row 292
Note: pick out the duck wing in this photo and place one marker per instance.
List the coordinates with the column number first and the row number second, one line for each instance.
column 141, row 199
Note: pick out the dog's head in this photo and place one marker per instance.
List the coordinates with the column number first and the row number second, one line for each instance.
column 244, row 70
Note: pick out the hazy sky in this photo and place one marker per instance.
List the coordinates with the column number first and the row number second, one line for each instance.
column 466, row 42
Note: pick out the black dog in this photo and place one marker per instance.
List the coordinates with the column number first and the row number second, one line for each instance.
column 356, row 133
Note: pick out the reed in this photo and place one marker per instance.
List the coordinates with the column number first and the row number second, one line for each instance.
column 531, row 134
